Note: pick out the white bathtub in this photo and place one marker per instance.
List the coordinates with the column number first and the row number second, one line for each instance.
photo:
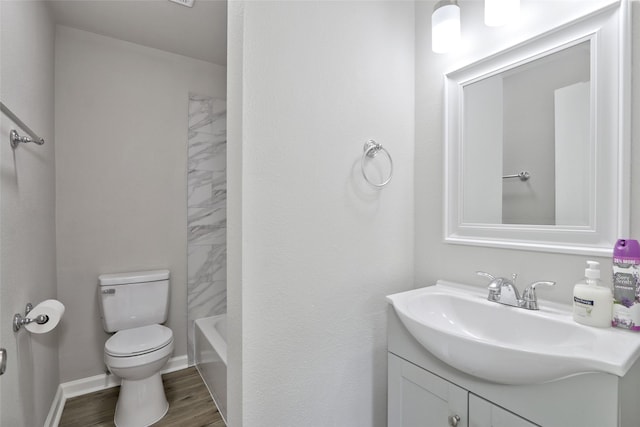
column 211, row 357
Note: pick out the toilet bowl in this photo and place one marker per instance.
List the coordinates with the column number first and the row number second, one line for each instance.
column 132, row 307
column 136, row 356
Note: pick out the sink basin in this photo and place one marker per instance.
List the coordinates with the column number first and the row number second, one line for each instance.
column 510, row 345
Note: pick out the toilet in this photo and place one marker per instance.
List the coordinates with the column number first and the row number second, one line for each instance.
column 133, row 305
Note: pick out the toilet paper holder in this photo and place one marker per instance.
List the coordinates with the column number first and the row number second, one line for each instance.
column 19, row 321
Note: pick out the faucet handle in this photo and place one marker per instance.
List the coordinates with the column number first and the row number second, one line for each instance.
column 529, row 297
column 514, row 276
column 494, row 287
column 486, row 275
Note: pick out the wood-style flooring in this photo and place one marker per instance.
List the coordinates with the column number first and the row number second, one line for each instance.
column 190, row 405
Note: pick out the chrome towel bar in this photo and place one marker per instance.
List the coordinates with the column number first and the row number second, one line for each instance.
column 14, row 136
column 524, row 176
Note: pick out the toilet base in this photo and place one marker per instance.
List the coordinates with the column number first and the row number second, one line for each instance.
column 141, row 402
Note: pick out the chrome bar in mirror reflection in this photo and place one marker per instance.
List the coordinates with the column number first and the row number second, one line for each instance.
column 524, row 176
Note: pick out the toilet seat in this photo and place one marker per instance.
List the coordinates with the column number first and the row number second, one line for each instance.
column 138, row 341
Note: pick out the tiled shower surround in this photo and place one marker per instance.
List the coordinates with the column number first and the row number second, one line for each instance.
column 206, row 211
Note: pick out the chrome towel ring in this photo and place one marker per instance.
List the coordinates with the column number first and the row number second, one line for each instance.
column 371, row 150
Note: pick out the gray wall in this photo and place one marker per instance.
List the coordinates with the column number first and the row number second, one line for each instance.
column 27, row 211
column 436, row 260
column 121, row 123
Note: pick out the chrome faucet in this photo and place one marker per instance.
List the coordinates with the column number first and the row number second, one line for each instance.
column 504, row 291
column 529, row 296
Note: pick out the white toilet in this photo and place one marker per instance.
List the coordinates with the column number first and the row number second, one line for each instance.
column 133, row 305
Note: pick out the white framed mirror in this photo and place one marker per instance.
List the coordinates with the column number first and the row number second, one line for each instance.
column 537, row 141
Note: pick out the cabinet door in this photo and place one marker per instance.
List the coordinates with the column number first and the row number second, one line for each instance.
column 483, row 413
column 417, row 398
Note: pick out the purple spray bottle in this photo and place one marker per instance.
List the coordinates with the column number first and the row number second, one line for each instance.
column 626, row 285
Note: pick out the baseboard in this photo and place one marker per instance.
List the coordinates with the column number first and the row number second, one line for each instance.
column 55, row 413
column 175, row 364
column 96, row 383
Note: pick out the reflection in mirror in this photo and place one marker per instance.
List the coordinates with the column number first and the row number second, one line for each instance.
column 533, row 118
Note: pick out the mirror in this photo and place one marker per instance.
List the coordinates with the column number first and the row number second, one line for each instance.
column 527, row 144
column 537, row 142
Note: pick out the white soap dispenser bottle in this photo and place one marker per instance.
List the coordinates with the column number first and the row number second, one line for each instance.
column 592, row 303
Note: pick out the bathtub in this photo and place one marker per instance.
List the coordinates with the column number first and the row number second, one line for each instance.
column 211, row 357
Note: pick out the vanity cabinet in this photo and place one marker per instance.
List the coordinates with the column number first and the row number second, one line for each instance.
column 483, row 413
column 419, row 398
column 425, row 391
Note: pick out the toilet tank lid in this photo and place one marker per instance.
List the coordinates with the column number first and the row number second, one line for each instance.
column 133, row 277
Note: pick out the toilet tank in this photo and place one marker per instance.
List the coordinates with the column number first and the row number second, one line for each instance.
column 130, row 300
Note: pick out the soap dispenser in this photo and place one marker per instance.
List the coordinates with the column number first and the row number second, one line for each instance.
column 592, row 303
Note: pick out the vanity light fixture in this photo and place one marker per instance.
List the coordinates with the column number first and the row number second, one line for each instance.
column 445, row 26
column 500, row 12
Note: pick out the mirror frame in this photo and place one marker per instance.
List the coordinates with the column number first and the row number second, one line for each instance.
column 608, row 31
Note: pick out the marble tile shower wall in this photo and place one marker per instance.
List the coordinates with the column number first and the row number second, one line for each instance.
column 206, row 211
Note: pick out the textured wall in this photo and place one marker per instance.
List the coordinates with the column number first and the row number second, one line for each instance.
column 121, row 177
column 320, row 248
column 27, row 211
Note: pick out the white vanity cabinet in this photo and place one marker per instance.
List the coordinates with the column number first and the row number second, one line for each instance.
column 419, row 398
column 483, row 413
column 424, row 391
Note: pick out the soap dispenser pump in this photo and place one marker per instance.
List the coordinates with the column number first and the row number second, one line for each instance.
column 592, row 303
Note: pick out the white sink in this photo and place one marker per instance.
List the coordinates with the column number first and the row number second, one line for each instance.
column 510, row 345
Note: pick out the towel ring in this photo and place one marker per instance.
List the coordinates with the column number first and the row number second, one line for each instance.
column 371, row 150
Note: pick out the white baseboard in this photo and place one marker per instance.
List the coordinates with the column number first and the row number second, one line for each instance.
column 96, row 383
column 175, row 364
column 55, row 413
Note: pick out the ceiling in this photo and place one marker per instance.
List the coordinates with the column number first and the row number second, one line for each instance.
column 199, row 32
